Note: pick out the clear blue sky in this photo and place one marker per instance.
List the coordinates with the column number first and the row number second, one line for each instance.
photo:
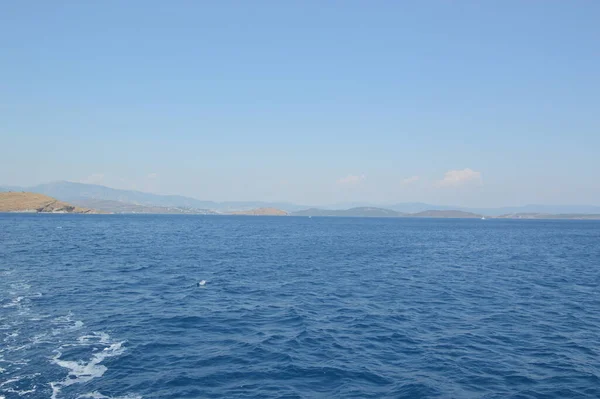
column 476, row 103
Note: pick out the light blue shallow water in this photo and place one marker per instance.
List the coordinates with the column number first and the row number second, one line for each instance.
column 108, row 306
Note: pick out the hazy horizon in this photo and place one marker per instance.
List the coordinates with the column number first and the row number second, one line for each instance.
column 470, row 104
column 336, row 205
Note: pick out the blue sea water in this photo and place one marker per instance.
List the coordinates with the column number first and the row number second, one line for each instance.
column 108, row 306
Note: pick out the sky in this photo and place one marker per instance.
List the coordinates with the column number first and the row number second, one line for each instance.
column 471, row 103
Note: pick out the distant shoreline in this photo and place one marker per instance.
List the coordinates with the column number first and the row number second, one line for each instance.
column 595, row 218
column 67, row 197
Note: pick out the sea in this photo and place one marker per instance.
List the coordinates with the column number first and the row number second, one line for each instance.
column 185, row 306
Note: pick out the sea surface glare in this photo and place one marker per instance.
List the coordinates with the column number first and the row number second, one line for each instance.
column 110, row 306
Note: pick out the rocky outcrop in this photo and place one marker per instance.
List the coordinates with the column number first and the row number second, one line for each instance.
column 37, row 203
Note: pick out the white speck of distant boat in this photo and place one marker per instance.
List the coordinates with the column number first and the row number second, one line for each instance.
column 201, row 283
column 483, row 218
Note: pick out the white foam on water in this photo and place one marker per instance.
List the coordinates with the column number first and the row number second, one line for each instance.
column 40, row 338
column 82, row 364
column 22, row 393
column 66, row 323
column 17, row 362
column 15, row 302
column 18, row 348
column 98, row 395
column 81, row 371
column 11, row 335
column 95, row 337
column 63, row 319
column 55, row 390
column 20, row 285
column 11, row 380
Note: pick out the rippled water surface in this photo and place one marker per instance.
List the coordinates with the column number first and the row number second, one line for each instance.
column 95, row 306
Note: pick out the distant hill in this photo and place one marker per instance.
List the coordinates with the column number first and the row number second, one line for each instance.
column 579, row 216
column 416, row 207
column 37, row 203
column 533, row 208
column 445, row 214
column 124, row 207
column 77, row 192
column 70, row 191
column 382, row 212
column 261, row 212
column 352, row 212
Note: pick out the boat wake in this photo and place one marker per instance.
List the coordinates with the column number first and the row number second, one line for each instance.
column 37, row 348
column 84, row 371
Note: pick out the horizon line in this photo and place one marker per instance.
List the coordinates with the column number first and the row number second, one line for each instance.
column 288, row 202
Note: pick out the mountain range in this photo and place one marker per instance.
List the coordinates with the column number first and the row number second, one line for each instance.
column 356, row 212
column 78, row 193
column 130, row 201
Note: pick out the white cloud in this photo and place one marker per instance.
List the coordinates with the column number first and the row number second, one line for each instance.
column 96, row 178
column 152, row 176
column 351, row 180
column 454, row 178
column 410, row 180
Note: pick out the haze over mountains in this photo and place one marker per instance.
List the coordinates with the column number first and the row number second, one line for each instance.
column 102, row 196
column 129, row 201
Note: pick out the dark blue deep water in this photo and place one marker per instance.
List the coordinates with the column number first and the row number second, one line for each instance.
column 96, row 306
